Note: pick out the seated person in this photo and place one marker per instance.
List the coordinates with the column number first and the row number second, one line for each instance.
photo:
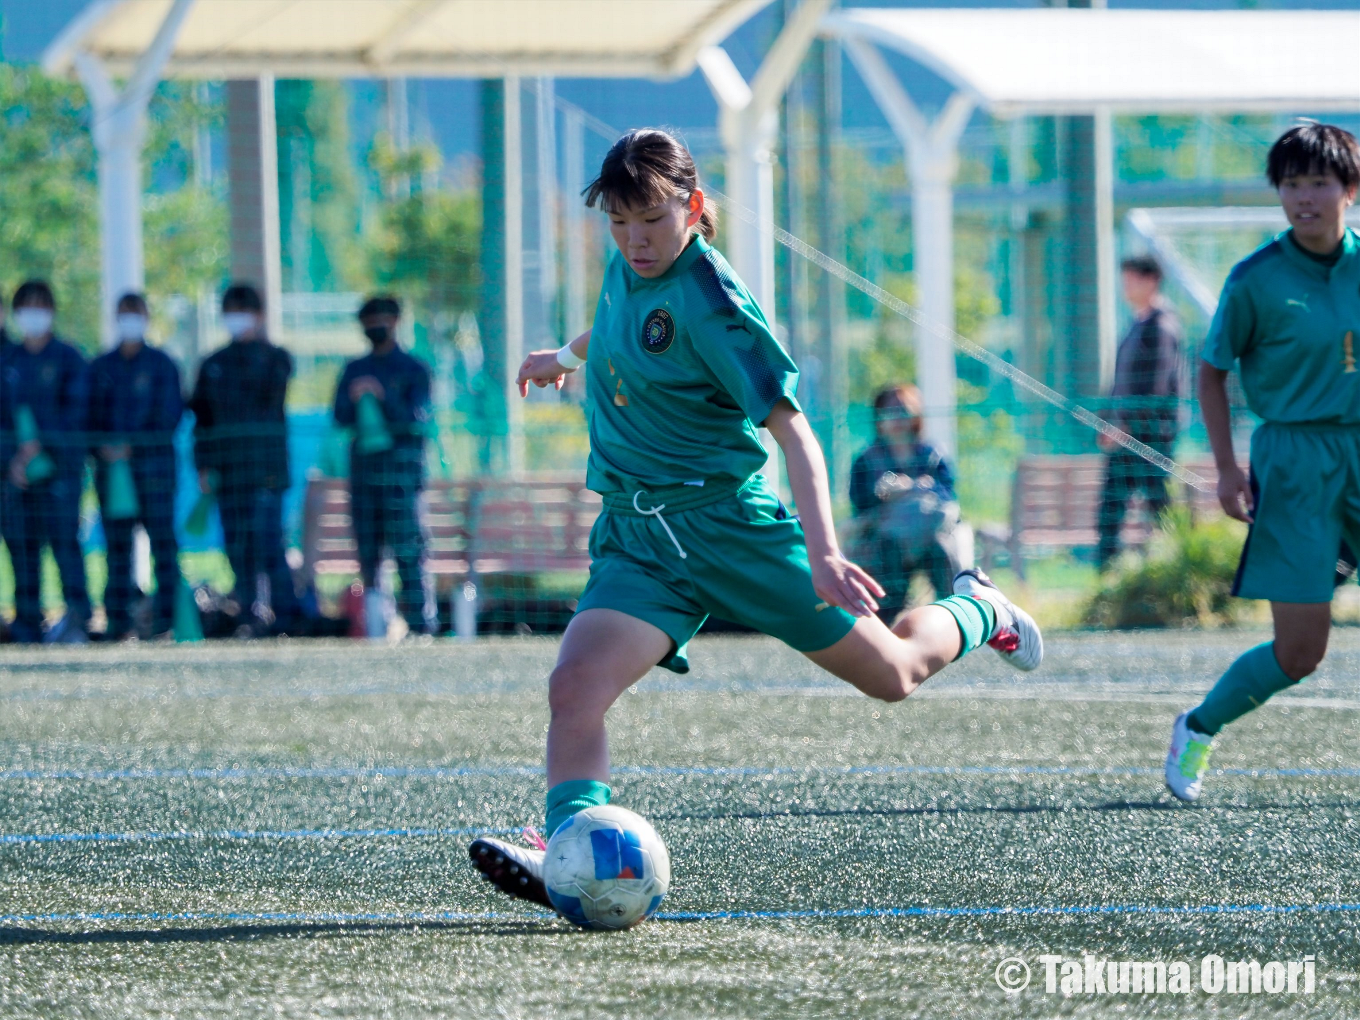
column 902, row 492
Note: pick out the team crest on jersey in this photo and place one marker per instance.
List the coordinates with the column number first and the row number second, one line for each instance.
column 658, row 332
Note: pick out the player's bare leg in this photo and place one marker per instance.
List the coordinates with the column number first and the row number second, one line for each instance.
column 889, row 664
column 603, row 653
column 1301, row 633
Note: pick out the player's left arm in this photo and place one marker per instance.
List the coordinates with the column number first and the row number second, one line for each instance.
column 836, row 579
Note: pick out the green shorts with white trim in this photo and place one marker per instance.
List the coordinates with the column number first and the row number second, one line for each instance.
column 1306, row 483
column 674, row 557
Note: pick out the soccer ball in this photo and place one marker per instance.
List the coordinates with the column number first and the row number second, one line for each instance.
column 606, row 868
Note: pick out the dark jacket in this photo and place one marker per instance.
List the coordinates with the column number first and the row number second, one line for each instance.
column 1147, row 376
column 878, row 460
column 136, row 400
column 240, row 430
column 406, row 408
column 55, row 384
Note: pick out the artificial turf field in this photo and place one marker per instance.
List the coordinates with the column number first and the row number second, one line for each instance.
column 279, row 830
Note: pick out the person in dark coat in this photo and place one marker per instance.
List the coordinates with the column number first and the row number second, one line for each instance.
column 1145, row 403
column 241, row 452
column 135, row 406
column 43, row 405
column 387, row 458
column 899, row 467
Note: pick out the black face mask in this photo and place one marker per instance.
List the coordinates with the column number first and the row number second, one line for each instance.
column 378, row 335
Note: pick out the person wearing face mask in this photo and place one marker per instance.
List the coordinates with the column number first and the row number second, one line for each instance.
column 241, row 452
column 385, row 397
column 135, row 405
column 42, row 418
column 902, row 492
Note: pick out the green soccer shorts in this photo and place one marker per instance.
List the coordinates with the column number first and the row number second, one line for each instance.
column 745, row 560
column 1306, row 482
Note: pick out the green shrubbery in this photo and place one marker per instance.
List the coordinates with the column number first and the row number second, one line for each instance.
column 1183, row 581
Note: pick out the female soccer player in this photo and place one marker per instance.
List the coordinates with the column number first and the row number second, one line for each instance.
column 681, row 371
column 1289, row 317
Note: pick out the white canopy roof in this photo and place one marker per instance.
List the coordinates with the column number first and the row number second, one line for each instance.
column 1054, row 61
column 418, row 38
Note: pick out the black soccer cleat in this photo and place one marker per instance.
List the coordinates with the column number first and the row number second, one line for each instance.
column 514, row 870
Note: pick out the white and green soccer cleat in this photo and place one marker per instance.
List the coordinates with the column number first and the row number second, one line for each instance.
column 1017, row 638
column 1187, row 759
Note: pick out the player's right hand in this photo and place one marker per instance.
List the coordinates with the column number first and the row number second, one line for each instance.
column 542, row 369
column 1234, row 494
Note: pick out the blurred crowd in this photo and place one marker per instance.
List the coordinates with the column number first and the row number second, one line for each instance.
column 60, row 413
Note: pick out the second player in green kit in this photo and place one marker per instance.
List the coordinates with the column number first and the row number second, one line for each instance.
column 1289, row 318
column 682, row 371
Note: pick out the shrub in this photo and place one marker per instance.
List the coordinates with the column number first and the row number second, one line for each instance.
column 1183, row 581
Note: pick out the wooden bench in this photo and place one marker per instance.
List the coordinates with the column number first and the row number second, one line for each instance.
column 1055, row 500
column 472, row 529
column 486, row 526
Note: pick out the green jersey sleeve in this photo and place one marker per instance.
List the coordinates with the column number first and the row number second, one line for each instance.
column 1233, row 331
column 730, row 335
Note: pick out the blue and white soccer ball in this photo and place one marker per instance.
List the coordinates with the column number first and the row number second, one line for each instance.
column 606, row 868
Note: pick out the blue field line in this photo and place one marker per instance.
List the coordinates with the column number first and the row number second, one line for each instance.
column 851, row 913
column 493, row 771
column 244, row 834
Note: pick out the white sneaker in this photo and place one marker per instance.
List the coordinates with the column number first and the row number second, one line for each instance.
column 1017, row 638
column 1187, row 759
column 514, row 870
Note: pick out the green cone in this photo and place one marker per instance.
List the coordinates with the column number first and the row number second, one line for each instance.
column 40, row 468
column 120, row 494
column 371, row 426
column 188, row 624
column 334, row 459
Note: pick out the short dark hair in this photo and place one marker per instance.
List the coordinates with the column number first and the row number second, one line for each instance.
column 242, row 297
column 1143, row 265
column 132, row 301
column 380, row 304
column 1313, row 148
column 34, row 292
column 644, row 168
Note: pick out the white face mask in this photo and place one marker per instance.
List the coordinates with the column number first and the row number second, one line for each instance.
column 131, row 326
column 238, row 323
column 33, row 322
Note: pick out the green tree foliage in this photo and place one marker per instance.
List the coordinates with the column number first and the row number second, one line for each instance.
column 49, row 220
column 427, row 242
column 49, row 197
column 318, row 191
column 184, row 222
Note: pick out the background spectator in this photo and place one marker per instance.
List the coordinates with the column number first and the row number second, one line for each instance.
column 42, row 417
column 135, row 405
column 902, row 493
column 241, row 451
column 1145, row 402
column 387, row 461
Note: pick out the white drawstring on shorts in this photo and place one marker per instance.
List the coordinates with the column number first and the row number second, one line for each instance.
column 656, row 512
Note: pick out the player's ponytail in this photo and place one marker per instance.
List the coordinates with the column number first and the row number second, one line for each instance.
column 644, row 168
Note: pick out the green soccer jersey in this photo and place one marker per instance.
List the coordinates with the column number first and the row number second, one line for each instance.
column 681, row 372
column 1293, row 324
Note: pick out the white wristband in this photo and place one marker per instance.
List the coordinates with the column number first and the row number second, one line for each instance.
column 567, row 358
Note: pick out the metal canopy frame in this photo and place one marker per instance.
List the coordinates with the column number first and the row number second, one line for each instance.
column 1091, row 62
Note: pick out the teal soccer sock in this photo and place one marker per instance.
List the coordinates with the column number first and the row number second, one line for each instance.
column 565, row 799
column 1248, row 683
column 976, row 620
